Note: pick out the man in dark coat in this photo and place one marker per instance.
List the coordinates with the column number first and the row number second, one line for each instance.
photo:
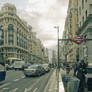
column 80, row 74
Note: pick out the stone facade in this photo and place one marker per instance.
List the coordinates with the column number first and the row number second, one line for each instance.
column 14, row 33
column 16, row 37
column 70, row 29
column 85, row 29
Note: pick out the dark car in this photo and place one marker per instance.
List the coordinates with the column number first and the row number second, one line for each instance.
column 33, row 70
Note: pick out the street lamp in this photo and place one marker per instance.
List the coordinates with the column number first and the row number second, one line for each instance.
column 57, row 27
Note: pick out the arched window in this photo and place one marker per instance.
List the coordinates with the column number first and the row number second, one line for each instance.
column 1, row 35
column 10, row 34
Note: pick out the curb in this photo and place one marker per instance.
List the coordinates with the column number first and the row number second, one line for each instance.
column 61, row 86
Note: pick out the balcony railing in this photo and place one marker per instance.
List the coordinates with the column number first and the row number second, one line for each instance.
column 88, row 20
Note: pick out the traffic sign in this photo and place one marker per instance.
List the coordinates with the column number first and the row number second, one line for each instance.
column 78, row 39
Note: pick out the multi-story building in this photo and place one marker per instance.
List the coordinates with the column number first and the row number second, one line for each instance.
column 16, row 37
column 54, row 58
column 46, row 58
column 13, row 33
column 69, row 48
column 85, row 29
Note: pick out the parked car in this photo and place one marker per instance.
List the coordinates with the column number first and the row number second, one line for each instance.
column 33, row 70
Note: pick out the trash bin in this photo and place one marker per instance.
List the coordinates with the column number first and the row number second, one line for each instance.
column 89, row 84
column 65, row 80
column 73, row 84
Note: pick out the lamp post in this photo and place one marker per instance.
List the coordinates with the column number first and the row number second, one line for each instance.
column 58, row 66
column 57, row 27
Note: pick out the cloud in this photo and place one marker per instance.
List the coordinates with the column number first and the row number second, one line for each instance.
column 43, row 15
column 40, row 6
column 50, row 44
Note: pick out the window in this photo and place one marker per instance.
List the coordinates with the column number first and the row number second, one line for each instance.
column 1, row 36
column 83, row 19
column 86, row 1
column 82, row 4
column 86, row 14
column 80, row 23
column 79, row 10
column 10, row 34
column 90, row 8
column 10, row 14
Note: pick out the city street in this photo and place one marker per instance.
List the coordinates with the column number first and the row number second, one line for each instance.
column 17, row 82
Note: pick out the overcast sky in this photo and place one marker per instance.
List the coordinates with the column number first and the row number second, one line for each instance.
column 43, row 15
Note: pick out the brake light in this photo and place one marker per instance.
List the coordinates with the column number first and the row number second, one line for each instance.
column 34, row 70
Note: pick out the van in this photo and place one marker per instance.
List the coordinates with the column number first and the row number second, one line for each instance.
column 18, row 65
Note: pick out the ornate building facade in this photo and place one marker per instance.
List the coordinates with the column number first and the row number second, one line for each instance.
column 16, row 37
column 70, row 29
column 85, row 29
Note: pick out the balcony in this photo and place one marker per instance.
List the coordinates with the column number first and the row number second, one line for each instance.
column 88, row 20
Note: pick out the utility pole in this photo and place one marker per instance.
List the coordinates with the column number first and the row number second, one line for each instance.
column 58, row 64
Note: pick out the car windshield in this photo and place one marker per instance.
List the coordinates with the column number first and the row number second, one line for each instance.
column 32, row 67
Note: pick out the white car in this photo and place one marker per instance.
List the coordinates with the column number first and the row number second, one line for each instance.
column 18, row 65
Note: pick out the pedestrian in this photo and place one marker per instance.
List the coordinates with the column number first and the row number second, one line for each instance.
column 81, row 71
column 76, row 67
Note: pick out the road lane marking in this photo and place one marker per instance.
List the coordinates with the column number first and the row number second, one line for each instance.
column 30, row 88
column 5, row 85
column 19, row 78
column 35, row 89
column 16, row 80
column 4, row 89
column 13, row 90
column 23, row 77
column 25, row 90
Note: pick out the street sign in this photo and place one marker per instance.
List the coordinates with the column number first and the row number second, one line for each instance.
column 78, row 39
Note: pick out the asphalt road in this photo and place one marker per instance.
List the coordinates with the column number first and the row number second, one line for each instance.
column 17, row 82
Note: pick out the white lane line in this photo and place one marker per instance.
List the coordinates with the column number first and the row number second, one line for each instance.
column 35, row 89
column 23, row 77
column 19, row 78
column 16, row 80
column 4, row 89
column 30, row 88
column 13, row 90
column 25, row 90
column 5, row 85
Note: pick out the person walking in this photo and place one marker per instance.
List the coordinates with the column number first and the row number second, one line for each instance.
column 80, row 72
